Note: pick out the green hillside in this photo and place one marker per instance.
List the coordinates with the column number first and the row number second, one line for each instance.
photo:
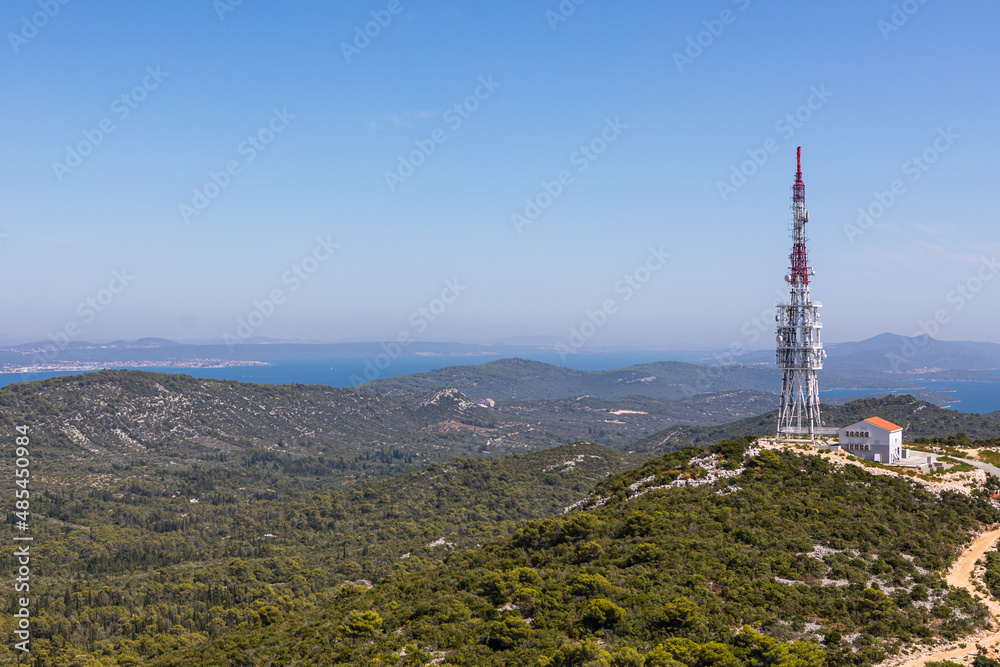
column 127, row 572
column 789, row 562
column 223, row 436
column 621, row 421
column 918, row 418
column 228, row 436
column 519, row 379
column 177, row 520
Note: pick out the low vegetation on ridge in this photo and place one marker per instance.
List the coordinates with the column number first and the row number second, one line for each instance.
column 203, row 522
column 782, row 560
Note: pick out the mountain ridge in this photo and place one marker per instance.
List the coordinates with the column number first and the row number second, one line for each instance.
column 774, row 562
column 513, row 379
column 919, row 419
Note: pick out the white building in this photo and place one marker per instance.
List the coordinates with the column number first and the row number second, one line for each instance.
column 874, row 439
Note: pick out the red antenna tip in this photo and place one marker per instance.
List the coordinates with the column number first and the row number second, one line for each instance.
column 798, row 189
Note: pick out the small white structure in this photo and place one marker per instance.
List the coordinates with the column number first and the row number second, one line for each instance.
column 874, row 439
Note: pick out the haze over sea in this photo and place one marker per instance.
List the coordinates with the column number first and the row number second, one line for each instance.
column 338, row 372
column 969, row 396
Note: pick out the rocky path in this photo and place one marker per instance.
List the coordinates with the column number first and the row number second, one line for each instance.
column 962, row 575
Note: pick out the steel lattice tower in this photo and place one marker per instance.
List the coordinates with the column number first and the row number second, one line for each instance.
column 799, row 351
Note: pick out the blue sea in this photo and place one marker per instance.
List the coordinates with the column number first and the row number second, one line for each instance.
column 969, row 396
column 345, row 372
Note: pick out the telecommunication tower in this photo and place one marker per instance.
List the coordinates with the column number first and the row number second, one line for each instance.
column 799, row 351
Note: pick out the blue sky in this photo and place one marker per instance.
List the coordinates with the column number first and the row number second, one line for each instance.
column 201, row 83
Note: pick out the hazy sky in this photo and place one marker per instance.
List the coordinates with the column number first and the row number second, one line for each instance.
column 167, row 166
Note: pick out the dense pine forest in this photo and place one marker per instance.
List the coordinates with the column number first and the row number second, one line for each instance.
column 786, row 563
column 212, row 523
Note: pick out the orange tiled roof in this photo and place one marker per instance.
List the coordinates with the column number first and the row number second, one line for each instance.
column 881, row 423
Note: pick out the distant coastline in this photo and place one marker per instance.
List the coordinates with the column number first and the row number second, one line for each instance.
column 87, row 366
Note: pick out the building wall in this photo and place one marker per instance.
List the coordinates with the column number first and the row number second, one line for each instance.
column 871, row 442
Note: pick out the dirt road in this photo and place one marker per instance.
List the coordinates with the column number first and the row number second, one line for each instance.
column 961, row 576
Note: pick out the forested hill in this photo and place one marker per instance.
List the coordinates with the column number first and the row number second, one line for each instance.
column 919, row 419
column 139, row 422
column 226, row 435
column 774, row 559
column 529, row 380
column 132, row 569
column 229, row 435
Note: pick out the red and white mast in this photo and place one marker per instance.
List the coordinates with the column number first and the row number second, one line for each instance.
column 799, row 350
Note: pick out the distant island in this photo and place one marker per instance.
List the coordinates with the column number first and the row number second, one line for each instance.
column 62, row 366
